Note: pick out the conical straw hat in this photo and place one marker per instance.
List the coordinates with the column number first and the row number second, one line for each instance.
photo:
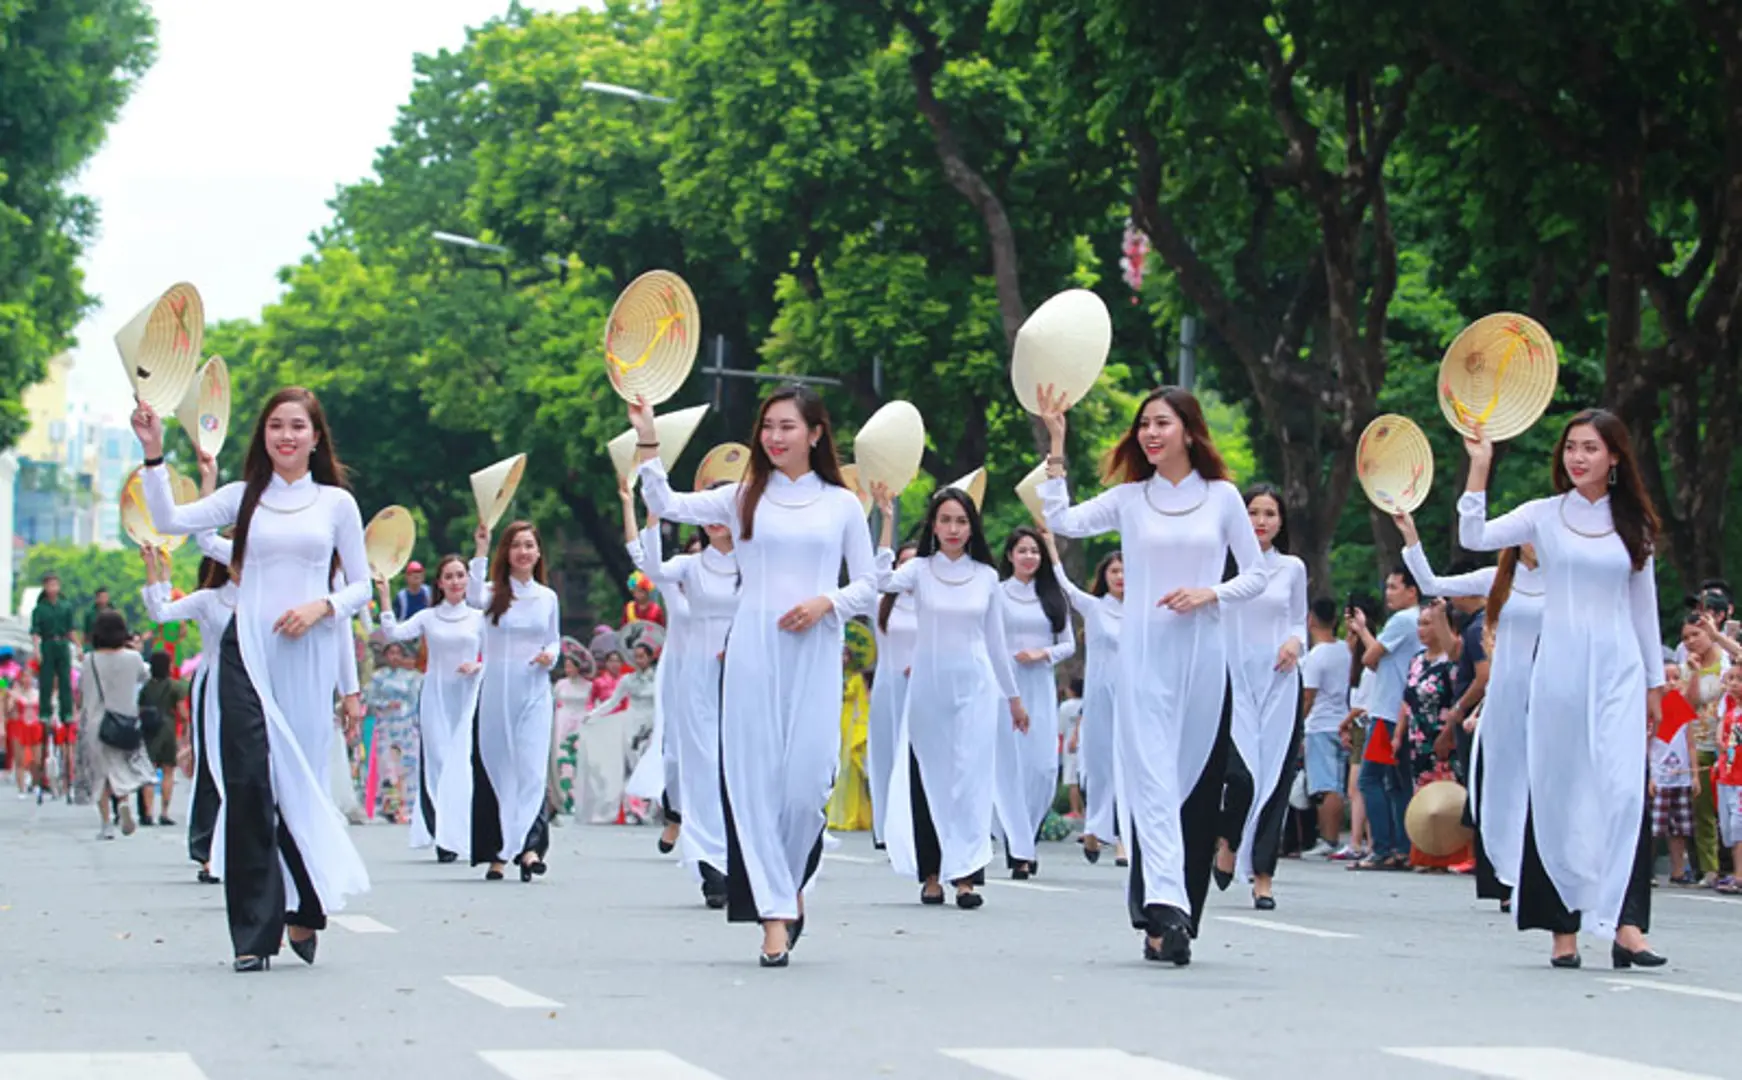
column 726, row 461
column 850, row 474
column 388, row 540
column 888, row 448
column 974, row 485
column 1064, row 344
column 493, row 488
column 136, row 519
column 1435, row 819
column 674, row 430
column 1395, row 463
column 652, row 336
column 160, row 347
column 1501, row 372
column 1028, row 490
column 205, row 411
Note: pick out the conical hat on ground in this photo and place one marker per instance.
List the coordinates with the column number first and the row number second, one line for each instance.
column 1435, row 819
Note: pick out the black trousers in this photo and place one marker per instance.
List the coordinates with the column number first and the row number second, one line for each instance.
column 1488, row 883
column 1200, row 818
column 487, row 843
column 1540, row 906
column 255, row 835
column 203, row 821
column 928, row 853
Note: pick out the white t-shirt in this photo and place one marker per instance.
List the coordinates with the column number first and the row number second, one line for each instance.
column 1325, row 668
column 1069, row 710
column 1671, row 764
column 1362, row 694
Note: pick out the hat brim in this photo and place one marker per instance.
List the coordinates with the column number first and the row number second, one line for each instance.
column 1063, row 344
column 651, row 337
column 1394, row 463
column 1500, row 371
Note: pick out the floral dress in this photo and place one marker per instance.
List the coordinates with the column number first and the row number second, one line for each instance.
column 573, row 696
column 1428, row 692
column 390, row 766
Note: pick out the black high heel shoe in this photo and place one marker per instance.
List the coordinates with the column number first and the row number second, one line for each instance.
column 794, row 931
column 244, row 964
column 1627, row 958
column 1570, row 961
column 931, row 899
column 445, row 856
column 1175, row 947
column 1224, row 878
column 779, row 960
column 492, row 874
column 206, row 877
column 665, row 846
column 1091, row 854
column 968, row 901
column 305, row 948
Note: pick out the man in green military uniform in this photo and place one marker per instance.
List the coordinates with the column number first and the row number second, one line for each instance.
column 51, row 627
column 99, row 604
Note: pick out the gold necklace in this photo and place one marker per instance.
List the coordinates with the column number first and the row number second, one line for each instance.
column 949, row 581
column 703, row 559
column 769, row 495
column 1610, row 531
column 264, row 505
column 1035, row 599
column 1149, row 497
column 463, row 613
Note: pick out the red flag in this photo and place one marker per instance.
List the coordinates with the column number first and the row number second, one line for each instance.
column 1676, row 715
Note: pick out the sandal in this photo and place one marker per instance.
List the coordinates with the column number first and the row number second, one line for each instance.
column 1371, row 862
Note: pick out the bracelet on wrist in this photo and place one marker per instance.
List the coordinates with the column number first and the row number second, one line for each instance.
column 1055, row 459
column 153, row 462
column 648, row 445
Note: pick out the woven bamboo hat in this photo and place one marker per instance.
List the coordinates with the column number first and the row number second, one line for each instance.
column 1501, row 372
column 493, row 488
column 727, row 462
column 1064, row 344
column 388, row 540
column 652, row 336
column 204, row 411
column 1435, row 819
column 1028, row 490
column 888, row 448
column 136, row 519
column 160, row 347
column 1395, row 463
column 850, row 475
column 674, row 430
column 974, row 484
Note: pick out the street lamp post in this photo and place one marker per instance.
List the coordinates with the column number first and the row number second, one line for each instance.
column 471, row 248
column 624, row 92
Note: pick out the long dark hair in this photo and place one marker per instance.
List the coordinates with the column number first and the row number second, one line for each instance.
column 323, row 462
column 442, row 564
column 213, row 574
column 823, row 460
column 887, row 604
column 1046, row 582
column 1501, row 591
column 1260, row 490
column 1636, row 520
column 978, row 549
column 1099, row 588
column 501, row 592
column 1126, row 462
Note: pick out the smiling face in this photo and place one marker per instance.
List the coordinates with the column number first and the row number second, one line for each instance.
column 1266, row 516
column 1587, row 458
column 1025, row 558
column 1116, row 579
column 1160, row 434
column 453, row 581
column 785, row 437
column 290, row 437
column 952, row 527
column 523, row 552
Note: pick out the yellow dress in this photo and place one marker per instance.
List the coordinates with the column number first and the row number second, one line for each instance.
column 850, row 805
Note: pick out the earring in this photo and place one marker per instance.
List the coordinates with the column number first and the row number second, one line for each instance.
column 1612, row 476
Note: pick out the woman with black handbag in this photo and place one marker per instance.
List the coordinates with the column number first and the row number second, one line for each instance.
column 111, row 677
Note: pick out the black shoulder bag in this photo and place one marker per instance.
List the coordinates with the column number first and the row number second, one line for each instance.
column 119, row 730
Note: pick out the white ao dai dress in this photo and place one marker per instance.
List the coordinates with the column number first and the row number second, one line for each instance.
column 1103, row 617
column 895, row 645
column 1028, row 761
column 454, row 635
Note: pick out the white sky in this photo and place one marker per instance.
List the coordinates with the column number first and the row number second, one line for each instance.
column 222, row 163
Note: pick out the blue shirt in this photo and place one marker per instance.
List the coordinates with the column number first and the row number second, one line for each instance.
column 409, row 603
column 1401, row 643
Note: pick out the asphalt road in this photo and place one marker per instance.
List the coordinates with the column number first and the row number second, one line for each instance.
column 114, row 965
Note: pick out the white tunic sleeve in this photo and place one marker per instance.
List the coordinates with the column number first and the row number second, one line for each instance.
column 1474, row 583
column 410, row 629
column 860, row 592
column 553, row 632
column 1477, row 533
column 1298, row 608
column 893, row 580
column 1099, row 515
column 1064, row 645
column 215, row 547
column 1242, row 542
column 1642, row 597
column 646, row 552
column 1079, row 599
column 478, row 583
column 716, row 506
column 353, row 596
column 996, row 646
column 178, row 519
column 348, row 682
column 162, row 609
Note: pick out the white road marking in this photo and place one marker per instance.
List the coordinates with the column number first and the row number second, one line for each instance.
column 1677, row 988
column 83, row 1066
column 1285, row 928
column 1031, row 886
column 830, row 856
column 361, row 924
column 1539, row 1063
column 1697, row 898
column 501, row 992
column 1102, row 1064
column 593, row 1065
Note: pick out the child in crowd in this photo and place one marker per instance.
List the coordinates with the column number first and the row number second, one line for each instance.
column 1675, row 783
column 1727, row 773
column 1070, row 731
